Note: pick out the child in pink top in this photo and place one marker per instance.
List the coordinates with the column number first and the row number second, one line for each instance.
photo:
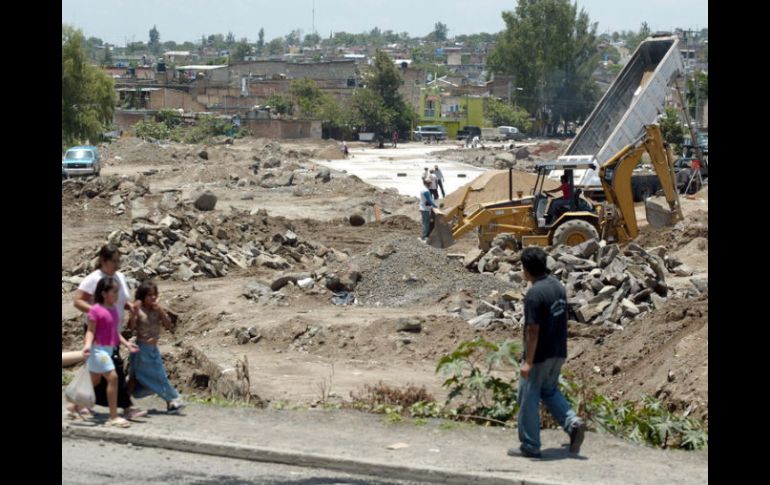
column 101, row 337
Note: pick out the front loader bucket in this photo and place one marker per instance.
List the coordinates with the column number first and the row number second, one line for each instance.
column 658, row 212
column 441, row 235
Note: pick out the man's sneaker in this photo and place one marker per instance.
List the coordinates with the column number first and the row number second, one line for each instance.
column 175, row 406
column 521, row 451
column 576, row 436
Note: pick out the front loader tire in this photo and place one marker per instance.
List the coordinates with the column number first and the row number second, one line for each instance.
column 574, row 232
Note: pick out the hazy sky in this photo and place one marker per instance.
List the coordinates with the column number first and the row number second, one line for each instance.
column 117, row 21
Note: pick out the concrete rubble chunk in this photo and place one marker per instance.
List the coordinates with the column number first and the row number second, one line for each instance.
column 254, row 290
column 683, row 270
column 282, row 281
column 290, row 238
column 324, row 175
column 272, row 262
column 629, row 308
column 306, row 283
column 472, row 257
column 614, row 272
column 700, row 283
column 482, row 321
column 206, row 201
column 116, row 200
column 383, row 252
column 657, row 301
column 607, row 254
column 586, row 249
column 184, row 273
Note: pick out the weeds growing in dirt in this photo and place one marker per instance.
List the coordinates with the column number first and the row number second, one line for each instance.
column 487, row 398
column 325, row 386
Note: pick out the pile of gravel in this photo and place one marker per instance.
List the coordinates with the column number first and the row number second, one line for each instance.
column 400, row 271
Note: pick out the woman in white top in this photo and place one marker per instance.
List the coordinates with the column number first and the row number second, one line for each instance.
column 108, row 264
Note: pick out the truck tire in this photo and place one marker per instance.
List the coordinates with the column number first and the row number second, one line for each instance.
column 574, row 232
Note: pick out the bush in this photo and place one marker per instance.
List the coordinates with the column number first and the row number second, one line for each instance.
column 152, row 130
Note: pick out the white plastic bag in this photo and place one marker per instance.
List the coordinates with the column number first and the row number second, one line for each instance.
column 81, row 390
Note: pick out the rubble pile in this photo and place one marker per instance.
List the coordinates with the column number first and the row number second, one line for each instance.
column 606, row 284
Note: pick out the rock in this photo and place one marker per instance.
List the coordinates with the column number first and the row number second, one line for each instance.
column 700, row 283
column 659, row 251
column 384, row 251
column 505, row 241
column 203, row 154
column 184, row 273
column 221, row 233
column 242, row 337
column 607, row 254
column 488, row 263
column 672, row 262
column 574, row 262
column 306, row 283
column 116, row 200
column 683, row 270
column 522, row 153
column 629, row 308
column 282, row 281
column 255, row 339
column 139, row 209
column 254, row 290
column 170, row 222
column 657, row 301
column 272, row 262
column 586, row 249
column 324, row 175
column 284, row 180
column 357, row 220
column 408, row 325
column 472, row 257
column 482, row 321
column 272, row 163
column 349, row 280
column 606, row 293
column 206, row 201
column 614, row 272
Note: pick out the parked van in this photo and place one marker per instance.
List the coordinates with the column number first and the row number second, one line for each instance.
column 509, row 133
column 437, row 132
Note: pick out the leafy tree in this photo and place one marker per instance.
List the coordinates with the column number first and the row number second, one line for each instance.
column 306, row 96
column 293, row 38
column 500, row 113
column 439, row 33
column 671, row 129
column 154, row 44
column 634, row 39
column 280, row 104
column 551, row 50
column 242, row 49
column 275, row 46
column 107, row 60
column 371, row 112
column 311, row 40
column 88, row 94
column 230, row 39
column 261, row 41
column 384, row 79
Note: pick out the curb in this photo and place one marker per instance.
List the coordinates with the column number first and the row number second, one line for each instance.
column 310, row 460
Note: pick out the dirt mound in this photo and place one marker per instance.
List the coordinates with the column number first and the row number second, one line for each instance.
column 400, row 271
column 330, row 153
column 695, row 226
column 664, row 355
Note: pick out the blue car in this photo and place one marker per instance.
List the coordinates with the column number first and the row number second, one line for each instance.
column 81, row 160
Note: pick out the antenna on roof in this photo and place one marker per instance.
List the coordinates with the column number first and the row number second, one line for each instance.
column 314, row 18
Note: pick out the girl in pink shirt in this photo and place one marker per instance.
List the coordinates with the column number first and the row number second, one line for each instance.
column 101, row 337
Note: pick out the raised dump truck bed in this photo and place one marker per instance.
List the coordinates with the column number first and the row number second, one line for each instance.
column 635, row 98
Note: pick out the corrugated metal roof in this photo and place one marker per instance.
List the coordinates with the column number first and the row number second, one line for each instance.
column 199, row 68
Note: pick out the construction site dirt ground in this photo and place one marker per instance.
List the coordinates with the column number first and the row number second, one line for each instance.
column 309, row 349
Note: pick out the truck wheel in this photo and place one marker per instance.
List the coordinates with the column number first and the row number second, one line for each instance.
column 574, row 232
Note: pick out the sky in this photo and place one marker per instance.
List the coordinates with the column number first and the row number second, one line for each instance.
column 121, row 21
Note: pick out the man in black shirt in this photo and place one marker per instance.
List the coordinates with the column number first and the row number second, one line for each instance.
column 545, row 349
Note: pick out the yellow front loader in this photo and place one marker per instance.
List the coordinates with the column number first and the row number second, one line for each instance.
column 534, row 220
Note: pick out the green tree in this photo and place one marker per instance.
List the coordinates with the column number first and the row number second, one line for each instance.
column 635, row 38
column 280, row 104
column 261, row 41
column 550, row 49
column 88, row 94
column 107, row 60
column 275, row 47
column 384, row 80
column 306, row 96
column 154, row 44
column 293, row 38
column 671, row 129
column 311, row 40
column 371, row 114
column 230, row 39
column 440, row 32
column 242, row 49
column 500, row 113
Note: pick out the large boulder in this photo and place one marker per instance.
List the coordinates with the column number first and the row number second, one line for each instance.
column 206, row 201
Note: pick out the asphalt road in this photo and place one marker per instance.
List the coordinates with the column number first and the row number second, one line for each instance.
column 87, row 462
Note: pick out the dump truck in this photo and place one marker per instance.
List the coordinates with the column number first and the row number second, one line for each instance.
column 636, row 98
column 535, row 220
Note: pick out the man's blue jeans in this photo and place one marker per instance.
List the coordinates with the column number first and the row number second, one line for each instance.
column 425, row 223
column 542, row 383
